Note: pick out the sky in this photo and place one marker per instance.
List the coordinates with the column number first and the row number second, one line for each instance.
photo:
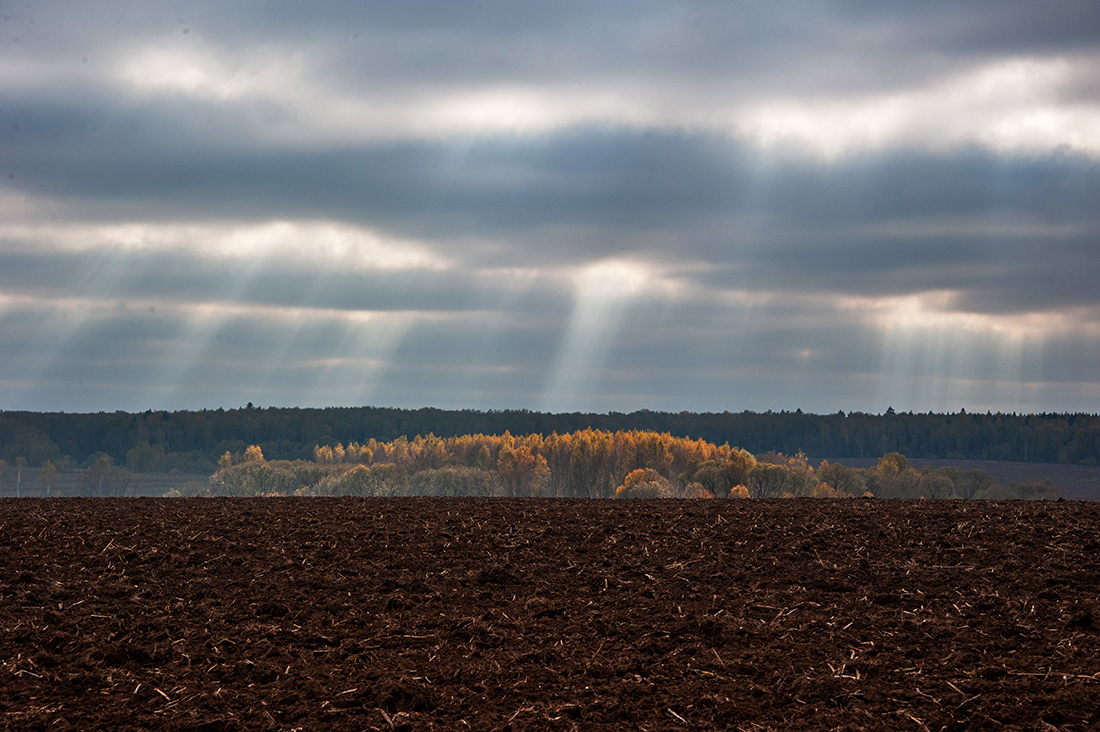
column 592, row 205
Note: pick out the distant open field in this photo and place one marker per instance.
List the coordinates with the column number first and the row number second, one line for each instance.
column 68, row 484
column 529, row 614
column 1077, row 482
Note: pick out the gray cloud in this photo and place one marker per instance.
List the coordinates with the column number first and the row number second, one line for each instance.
column 593, row 175
column 179, row 277
column 1022, row 227
column 781, row 239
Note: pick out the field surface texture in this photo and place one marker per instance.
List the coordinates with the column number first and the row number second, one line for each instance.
column 490, row 614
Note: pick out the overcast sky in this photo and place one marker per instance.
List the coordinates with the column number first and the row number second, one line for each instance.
column 589, row 205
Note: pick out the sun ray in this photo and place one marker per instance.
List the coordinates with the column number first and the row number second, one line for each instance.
column 603, row 293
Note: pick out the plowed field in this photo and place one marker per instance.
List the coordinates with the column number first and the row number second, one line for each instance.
column 467, row 614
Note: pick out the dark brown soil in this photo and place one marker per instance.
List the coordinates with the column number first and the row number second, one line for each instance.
column 467, row 614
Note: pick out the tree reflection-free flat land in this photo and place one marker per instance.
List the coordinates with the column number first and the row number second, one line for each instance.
column 1076, row 482
column 352, row 614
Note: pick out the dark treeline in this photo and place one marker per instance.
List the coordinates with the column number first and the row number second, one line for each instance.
column 193, row 441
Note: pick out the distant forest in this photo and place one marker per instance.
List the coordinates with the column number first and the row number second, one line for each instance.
column 193, row 441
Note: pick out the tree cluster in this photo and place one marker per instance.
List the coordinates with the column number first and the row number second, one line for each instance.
column 593, row 464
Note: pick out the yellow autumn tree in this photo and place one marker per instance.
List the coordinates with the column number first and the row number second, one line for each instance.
column 644, row 483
